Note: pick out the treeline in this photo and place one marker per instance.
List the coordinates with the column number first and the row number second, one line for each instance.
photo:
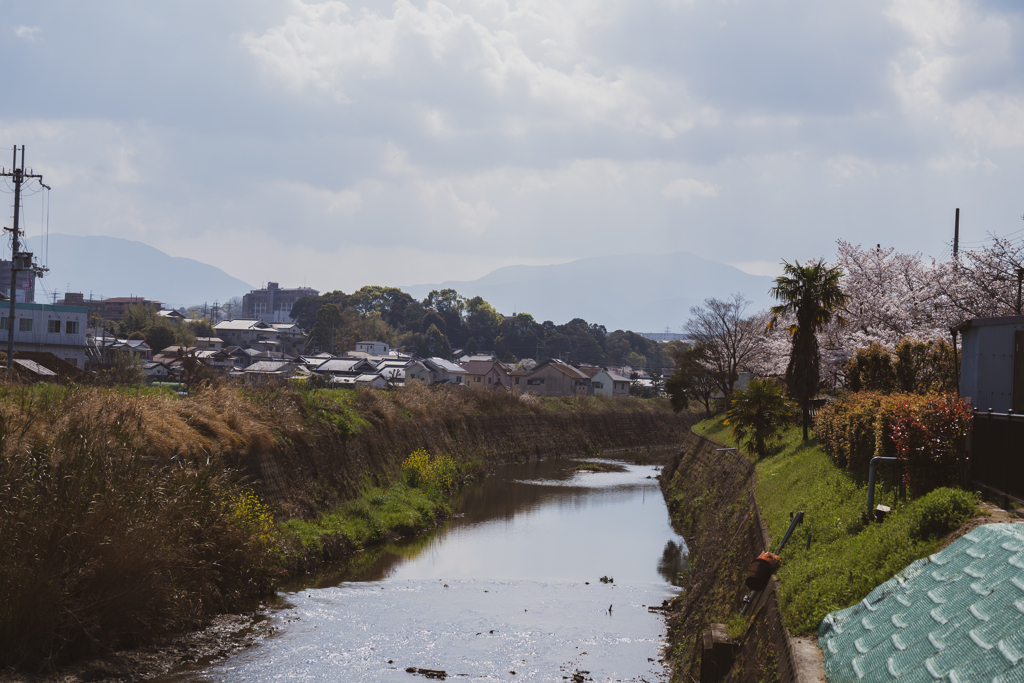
column 446, row 320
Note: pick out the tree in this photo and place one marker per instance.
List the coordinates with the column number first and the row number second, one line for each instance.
column 328, row 322
column 758, row 413
column 692, row 380
column 159, row 337
column 812, row 294
column 732, row 342
column 127, row 369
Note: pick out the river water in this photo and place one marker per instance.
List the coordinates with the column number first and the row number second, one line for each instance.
column 509, row 590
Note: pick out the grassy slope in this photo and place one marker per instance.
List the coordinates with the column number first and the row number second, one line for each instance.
column 126, row 514
column 847, row 557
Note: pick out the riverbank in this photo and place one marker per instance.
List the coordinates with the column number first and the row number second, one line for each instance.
column 719, row 499
column 128, row 516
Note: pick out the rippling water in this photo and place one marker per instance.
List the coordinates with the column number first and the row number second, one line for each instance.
column 508, row 591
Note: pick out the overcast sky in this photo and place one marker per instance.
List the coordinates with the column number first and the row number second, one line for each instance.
column 342, row 144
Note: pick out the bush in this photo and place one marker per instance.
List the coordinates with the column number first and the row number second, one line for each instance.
column 928, row 437
column 435, row 475
column 916, row 366
column 758, row 414
column 926, row 432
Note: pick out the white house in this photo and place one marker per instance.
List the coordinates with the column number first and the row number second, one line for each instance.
column 607, row 383
column 59, row 330
column 442, row 370
column 372, row 348
column 248, row 334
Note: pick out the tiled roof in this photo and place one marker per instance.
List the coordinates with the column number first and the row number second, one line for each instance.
column 957, row 616
column 479, row 367
column 446, row 365
column 269, row 366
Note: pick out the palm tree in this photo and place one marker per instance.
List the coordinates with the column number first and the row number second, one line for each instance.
column 811, row 293
column 758, row 413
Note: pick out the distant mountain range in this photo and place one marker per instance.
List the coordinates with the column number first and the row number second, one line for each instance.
column 110, row 266
column 639, row 292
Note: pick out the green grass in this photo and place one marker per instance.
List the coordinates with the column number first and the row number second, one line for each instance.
column 373, row 517
column 848, row 557
column 335, row 407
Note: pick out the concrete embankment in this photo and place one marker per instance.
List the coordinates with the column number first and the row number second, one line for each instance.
column 710, row 496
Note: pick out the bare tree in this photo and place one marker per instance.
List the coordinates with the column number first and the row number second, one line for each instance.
column 733, row 343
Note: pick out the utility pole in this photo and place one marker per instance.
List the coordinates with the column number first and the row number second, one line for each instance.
column 19, row 260
column 956, row 235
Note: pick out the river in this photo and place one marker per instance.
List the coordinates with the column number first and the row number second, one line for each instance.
column 510, row 589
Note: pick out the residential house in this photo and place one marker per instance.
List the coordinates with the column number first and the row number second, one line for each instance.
column 371, row 380
column 486, row 374
column 273, row 304
column 269, row 369
column 59, row 330
column 210, row 343
column 554, row 378
column 351, row 367
column 248, row 334
column 373, row 348
column 155, row 371
column 290, row 338
column 417, row 371
column 176, row 317
column 114, row 308
column 444, row 371
column 604, row 382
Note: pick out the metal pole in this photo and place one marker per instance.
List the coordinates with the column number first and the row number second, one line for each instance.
column 18, row 173
column 956, row 235
column 871, row 483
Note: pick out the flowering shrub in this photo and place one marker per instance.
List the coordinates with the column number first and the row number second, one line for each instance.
column 927, row 438
column 924, row 431
column 250, row 513
column 435, row 475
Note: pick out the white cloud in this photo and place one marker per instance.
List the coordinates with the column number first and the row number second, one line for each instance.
column 27, row 33
column 686, row 188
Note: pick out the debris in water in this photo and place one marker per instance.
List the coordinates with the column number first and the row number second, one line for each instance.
column 428, row 673
column 607, row 579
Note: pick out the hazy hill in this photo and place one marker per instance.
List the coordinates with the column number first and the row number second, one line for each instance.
column 111, row 266
column 639, row 292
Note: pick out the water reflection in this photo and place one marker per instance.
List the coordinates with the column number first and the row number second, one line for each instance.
column 510, row 584
column 672, row 562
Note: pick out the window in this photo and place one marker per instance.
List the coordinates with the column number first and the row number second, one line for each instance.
column 476, row 379
column 24, row 324
column 71, row 327
column 598, row 385
column 53, row 327
column 517, row 380
column 3, row 323
column 535, row 381
column 490, row 380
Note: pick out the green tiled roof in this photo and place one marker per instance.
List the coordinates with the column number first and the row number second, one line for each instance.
column 956, row 616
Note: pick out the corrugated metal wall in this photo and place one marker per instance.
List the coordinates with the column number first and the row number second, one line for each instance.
column 986, row 368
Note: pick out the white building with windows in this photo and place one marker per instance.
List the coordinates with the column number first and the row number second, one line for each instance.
column 59, row 330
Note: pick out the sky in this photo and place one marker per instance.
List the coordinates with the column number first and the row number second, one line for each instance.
column 336, row 145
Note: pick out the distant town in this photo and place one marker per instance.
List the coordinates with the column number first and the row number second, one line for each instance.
column 256, row 340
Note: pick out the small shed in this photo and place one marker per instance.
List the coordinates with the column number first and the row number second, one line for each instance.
column 991, row 369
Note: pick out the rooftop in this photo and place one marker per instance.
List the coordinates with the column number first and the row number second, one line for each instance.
column 957, row 615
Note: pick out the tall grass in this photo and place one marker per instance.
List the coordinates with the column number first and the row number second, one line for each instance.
column 130, row 513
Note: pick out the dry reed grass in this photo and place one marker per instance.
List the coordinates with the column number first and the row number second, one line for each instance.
column 116, row 506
